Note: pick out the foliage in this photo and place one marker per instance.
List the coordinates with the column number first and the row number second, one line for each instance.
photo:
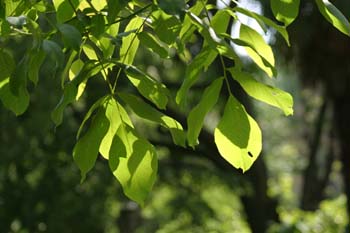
column 82, row 40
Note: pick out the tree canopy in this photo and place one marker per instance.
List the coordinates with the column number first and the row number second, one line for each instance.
column 83, row 40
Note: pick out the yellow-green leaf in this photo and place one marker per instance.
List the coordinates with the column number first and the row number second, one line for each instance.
column 238, row 136
column 285, row 10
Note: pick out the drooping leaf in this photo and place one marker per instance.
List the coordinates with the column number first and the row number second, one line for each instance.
column 264, row 57
column 151, row 89
column 263, row 20
column 114, row 7
column 134, row 164
column 36, row 59
column 202, row 60
column 238, row 136
column 147, row 112
column 7, row 65
column 264, row 93
column 71, row 36
column 71, row 90
column 16, row 103
column 53, row 51
column 114, row 113
column 196, row 116
column 285, row 10
column 334, row 16
column 85, row 151
column 130, row 43
column 97, row 25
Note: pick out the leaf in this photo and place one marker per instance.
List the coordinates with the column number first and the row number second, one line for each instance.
column 71, row 90
column 196, row 116
column 7, row 64
column 36, row 59
column 167, row 27
column 263, row 50
column 71, row 36
column 114, row 7
column 74, row 70
column 152, row 43
column 334, row 16
column 54, row 51
column 265, row 93
column 17, row 21
column 172, row 7
column 238, row 136
column 263, row 20
column 285, row 10
column 130, row 43
column 114, row 116
column 16, row 103
column 87, row 116
column 151, row 89
column 206, row 56
column 85, row 151
column 147, row 112
column 134, row 164
column 97, row 25
column 65, row 10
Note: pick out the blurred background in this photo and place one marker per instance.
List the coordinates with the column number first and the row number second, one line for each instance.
column 300, row 183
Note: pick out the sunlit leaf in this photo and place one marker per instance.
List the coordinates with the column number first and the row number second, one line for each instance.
column 130, row 43
column 264, row 93
column 238, row 136
column 134, row 164
column 152, row 43
column 148, row 87
column 334, row 16
column 264, row 57
column 196, row 117
column 285, row 10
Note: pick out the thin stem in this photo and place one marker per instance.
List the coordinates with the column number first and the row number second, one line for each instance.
column 130, row 16
column 225, row 75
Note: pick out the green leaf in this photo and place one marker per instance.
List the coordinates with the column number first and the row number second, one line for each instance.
column 36, row 59
column 196, row 116
column 74, row 70
column 114, row 7
column 7, row 65
column 134, row 164
column 71, row 36
column 130, row 43
column 65, row 10
column 285, row 10
column 147, row 112
column 85, row 151
column 54, row 51
column 167, row 27
column 87, row 116
column 334, row 16
column 263, row 20
column 16, row 103
column 97, row 25
column 71, row 90
column 114, row 114
column 151, row 89
column 265, row 93
column 238, row 136
column 152, row 43
column 202, row 60
column 172, row 7
column 260, row 52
